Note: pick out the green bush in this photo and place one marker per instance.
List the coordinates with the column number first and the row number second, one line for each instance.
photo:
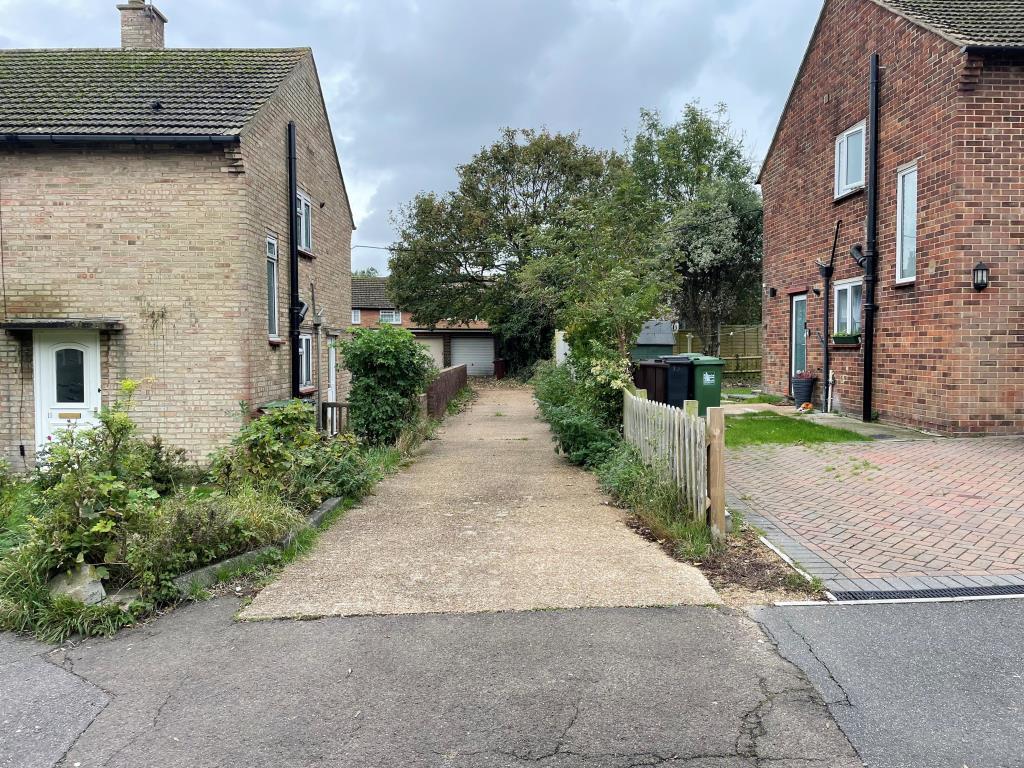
column 284, row 454
column 17, row 504
column 390, row 369
column 580, row 435
column 201, row 527
column 657, row 502
column 552, row 383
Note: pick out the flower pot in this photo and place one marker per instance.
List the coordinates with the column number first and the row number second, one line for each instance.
column 803, row 391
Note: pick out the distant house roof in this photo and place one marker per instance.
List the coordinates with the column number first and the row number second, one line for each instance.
column 971, row 23
column 131, row 92
column 657, row 332
column 371, row 293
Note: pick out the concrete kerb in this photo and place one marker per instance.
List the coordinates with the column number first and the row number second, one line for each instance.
column 208, row 574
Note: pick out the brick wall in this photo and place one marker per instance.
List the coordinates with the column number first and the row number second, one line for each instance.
column 931, row 336
column 146, row 234
column 329, row 267
column 988, row 227
column 172, row 242
column 369, row 318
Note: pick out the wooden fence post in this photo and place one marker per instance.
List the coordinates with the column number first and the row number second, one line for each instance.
column 690, row 407
column 716, row 469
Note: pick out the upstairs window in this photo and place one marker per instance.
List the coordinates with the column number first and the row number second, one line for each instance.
column 906, row 224
column 357, row 317
column 305, row 209
column 272, row 307
column 850, row 160
column 392, row 316
column 848, row 300
column 305, row 360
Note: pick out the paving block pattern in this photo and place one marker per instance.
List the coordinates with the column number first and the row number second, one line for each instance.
column 918, row 514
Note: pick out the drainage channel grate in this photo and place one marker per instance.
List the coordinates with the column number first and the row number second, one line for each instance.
column 916, row 594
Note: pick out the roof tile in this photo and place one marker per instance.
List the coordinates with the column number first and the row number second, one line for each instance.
column 185, row 92
column 980, row 23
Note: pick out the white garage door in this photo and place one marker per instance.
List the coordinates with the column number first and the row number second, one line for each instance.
column 435, row 346
column 477, row 354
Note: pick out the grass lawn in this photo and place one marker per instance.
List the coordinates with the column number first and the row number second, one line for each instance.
column 737, row 391
column 764, row 428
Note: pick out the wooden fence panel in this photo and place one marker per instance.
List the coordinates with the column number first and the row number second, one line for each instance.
column 674, row 441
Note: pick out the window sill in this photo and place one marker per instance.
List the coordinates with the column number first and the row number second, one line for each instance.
column 908, row 283
column 276, row 341
column 306, row 254
column 307, row 390
column 849, row 193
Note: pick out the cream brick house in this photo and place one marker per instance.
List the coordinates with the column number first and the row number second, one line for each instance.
column 167, row 216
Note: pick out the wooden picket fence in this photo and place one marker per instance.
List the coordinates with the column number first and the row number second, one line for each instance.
column 688, row 448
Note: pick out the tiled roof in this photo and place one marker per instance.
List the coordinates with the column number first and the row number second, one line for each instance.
column 184, row 92
column 981, row 23
column 444, row 325
column 371, row 293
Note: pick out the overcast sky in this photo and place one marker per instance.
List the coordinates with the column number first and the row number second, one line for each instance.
column 414, row 87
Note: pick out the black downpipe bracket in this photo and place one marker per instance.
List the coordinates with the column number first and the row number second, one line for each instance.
column 294, row 303
column 871, row 242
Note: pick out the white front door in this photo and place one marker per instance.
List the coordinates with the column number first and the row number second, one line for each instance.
column 332, row 371
column 66, row 375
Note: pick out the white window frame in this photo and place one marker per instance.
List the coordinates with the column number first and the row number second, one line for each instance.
column 357, row 317
column 394, row 314
column 841, row 160
column 305, row 360
column 273, row 299
column 846, row 285
column 305, row 209
column 901, row 174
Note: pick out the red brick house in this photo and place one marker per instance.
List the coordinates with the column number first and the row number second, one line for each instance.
column 166, row 216
column 449, row 344
column 944, row 172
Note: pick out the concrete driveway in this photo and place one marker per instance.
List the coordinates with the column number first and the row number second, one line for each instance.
column 891, row 515
column 488, row 518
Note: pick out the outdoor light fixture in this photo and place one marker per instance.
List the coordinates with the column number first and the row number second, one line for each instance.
column 979, row 276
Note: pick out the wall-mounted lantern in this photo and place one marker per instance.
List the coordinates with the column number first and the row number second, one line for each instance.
column 979, row 276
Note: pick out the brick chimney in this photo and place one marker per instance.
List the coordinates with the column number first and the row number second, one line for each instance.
column 142, row 25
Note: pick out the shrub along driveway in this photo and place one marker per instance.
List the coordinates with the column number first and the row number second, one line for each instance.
column 891, row 515
column 489, row 518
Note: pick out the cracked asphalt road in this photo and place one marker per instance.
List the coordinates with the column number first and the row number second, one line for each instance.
column 690, row 686
column 926, row 685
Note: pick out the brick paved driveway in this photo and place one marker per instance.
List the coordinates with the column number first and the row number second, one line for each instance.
column 891, row 515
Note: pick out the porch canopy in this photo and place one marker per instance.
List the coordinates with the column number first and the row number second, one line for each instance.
column 63, row 323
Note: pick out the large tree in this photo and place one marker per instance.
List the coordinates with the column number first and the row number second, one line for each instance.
column 702, row 190
column 460, row 256
column 599, row 270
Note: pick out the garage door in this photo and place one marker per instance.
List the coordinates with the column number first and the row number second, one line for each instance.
column 435, row 346
column 477, row 354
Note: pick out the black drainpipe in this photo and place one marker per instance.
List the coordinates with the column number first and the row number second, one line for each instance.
column 871, row 241
column 294, row 303
column 826, row 271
